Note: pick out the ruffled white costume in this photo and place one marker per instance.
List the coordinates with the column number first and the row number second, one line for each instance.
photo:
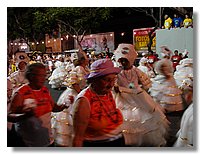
column 185, row 134
column 164, row 89
column 144, row 122
column 58, row 75
column 62, row 121
column 183, row 71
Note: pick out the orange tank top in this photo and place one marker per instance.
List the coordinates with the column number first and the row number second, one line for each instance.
column 105, row 118
column 42, row 97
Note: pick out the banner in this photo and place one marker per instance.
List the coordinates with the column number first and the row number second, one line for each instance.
column 141, row 39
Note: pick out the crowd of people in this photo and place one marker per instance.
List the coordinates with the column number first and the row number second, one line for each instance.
column 107, row 101
column 177, row 21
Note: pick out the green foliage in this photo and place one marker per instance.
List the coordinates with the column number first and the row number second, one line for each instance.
column 33, row 23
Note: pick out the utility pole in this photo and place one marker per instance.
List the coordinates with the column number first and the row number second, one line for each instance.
column 160, row 17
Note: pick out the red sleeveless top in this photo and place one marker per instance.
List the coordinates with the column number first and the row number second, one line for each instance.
column 42, row 97
column 105, row 118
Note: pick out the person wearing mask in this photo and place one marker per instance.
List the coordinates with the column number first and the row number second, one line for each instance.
column 96, row 120
column 144, row 122
column 31, row 107
column 17, row 78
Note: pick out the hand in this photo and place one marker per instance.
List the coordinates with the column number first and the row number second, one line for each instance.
column 71, row 99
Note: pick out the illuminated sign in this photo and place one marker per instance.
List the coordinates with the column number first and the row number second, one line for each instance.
column 141, row 38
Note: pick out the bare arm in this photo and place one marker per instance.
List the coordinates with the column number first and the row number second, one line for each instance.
column 16, row 111
column 80, row 121
column 16, row 104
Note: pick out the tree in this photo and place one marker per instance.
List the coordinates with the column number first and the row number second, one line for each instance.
column 75, row 21
column 22, row 25
column 31, row 24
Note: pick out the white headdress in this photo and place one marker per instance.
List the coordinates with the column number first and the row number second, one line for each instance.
column 126, row 51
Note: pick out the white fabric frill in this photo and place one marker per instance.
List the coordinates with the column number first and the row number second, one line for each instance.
column 185, row 134
column 182, row 73
column 165, row 92
column 144, row 121
column 76, row 75
column 146, row 70
column 62, row 123
column 58, row 76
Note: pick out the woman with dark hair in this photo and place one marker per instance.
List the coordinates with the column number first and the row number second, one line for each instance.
column 31, row 108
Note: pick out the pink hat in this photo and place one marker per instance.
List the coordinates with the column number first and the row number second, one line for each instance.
column 102, row 67
column 126, row 51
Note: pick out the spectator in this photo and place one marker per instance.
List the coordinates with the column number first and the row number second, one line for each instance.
column 168, row 22
column 180, row 55
column 187, row 22
column 96, row 119
column 175, row 59
column 185, row 54
column 152, row 59
column 33, row 105
column 144, row 122
column 177, row 21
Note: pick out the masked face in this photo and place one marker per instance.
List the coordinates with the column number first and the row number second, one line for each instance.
column 22, row 66
column 124, row 63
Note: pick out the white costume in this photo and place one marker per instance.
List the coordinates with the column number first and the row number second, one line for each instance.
column 142, row 66
column 183, row 70
column 62, row 121
column 185, row 133
column 144, row 122
column 164, row 90
column 18, row 78
column 58, row 75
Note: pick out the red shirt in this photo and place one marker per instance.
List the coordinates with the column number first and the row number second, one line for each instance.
column 152, row 59
column 104, row 116
column 175, row 60
column 42, row 97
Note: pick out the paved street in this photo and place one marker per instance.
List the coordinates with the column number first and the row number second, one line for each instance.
column 55, row 93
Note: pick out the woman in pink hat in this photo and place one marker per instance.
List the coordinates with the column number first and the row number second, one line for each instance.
column 96, row 120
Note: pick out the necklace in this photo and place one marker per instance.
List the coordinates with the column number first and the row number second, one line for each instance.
column 128, row 75
column 129, row 78
column 110, row 109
